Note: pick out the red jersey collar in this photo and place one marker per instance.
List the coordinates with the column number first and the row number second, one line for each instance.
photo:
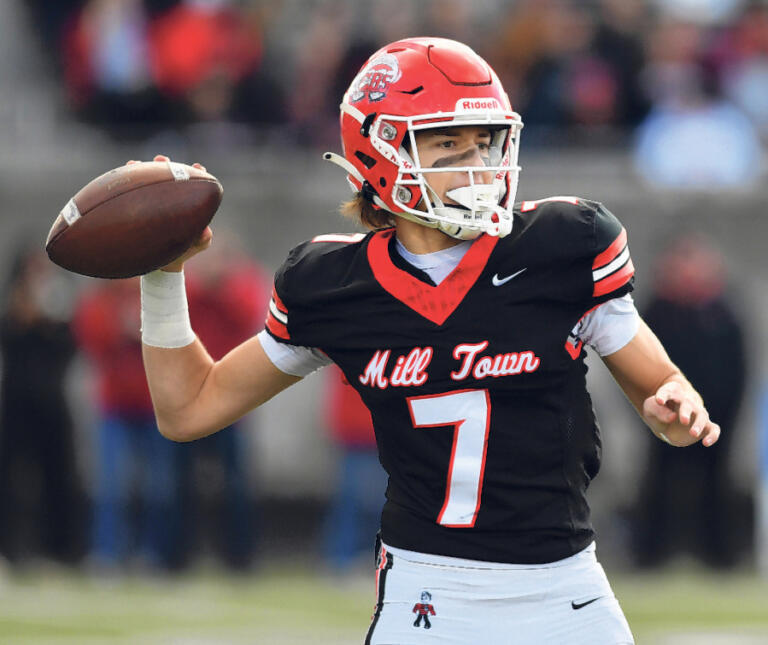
column 435, row 303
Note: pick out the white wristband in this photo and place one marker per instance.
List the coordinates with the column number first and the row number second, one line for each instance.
column 164, row 310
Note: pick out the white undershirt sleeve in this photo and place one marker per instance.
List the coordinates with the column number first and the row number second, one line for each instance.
column 292, row 359
column 609, row 327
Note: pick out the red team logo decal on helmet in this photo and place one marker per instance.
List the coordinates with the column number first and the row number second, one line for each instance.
column 375, row 79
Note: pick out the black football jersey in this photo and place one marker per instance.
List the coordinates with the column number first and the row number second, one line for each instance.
column 476, row 387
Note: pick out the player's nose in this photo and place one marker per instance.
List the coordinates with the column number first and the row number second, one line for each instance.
column 476, row 159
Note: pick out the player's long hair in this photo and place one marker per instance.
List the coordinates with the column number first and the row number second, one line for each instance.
column 362, row 210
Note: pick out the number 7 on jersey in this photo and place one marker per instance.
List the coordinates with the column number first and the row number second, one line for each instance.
column 468, row 411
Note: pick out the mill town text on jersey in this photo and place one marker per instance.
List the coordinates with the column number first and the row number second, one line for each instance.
column 411, row 369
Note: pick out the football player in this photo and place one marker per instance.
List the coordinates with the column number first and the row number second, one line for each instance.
column 461, row 319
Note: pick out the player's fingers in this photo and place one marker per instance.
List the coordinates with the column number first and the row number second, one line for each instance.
column 686, row 412
column 161, row 158
column 199, row 165
column 205, row 239
column 655, row 410
column 700, row 421
column 668, row 392
column 131, row 162
column 712, row 434
column 201, row 243
column 665, row 415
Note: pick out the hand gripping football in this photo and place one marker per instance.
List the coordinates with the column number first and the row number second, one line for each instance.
column 133, row 219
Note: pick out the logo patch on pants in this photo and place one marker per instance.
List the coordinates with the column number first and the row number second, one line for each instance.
column 423, row 610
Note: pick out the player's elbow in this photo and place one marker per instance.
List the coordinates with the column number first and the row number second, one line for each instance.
column 177, row 431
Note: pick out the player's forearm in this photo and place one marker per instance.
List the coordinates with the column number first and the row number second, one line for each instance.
column 176, row 378
column 643, row 369
column 176, row 363
column 195, row 396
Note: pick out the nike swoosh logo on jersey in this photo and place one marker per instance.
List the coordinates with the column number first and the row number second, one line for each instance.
column 579, row 605
column 497, row 282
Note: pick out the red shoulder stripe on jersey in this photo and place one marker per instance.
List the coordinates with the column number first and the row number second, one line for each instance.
column 276, row 327
column 433, row 303
column 610, row 254
column 615, row 280
column 278, row 303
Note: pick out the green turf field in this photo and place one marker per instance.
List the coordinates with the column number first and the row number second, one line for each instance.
column 287, row 607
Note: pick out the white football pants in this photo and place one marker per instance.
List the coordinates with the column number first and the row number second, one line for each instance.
column 425, row 599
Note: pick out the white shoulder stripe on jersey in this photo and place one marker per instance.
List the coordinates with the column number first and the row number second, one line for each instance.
column 617, row 263
column 283, row 318
column 339, row 237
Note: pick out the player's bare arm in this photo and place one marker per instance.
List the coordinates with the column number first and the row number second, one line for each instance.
column 193, row 395
column 666, row 401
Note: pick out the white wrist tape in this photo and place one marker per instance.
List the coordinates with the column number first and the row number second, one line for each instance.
column 164, row 310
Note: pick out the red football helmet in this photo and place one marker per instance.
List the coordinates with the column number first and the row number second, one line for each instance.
column 422, row 83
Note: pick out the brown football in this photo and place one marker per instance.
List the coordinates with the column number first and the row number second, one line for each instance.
column 133, row 219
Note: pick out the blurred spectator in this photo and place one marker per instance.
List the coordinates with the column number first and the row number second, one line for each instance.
column 353, row 517
column 517, row 46
column 700, row 142
column 51, row 20
column 693, row 138
column 700, row 11
column 42, row 504
column 453, row 19
column 107, row 66
column 690, row 313
column 742, row 60
column 321, row 55
column 148, row 64
column 569, row 67
column 619, row 42
column 135, row 493
column 561, row 76
column 207, row 55
column 228, row 294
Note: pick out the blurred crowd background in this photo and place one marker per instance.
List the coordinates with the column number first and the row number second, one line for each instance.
column 658, row 108
column 590, row 72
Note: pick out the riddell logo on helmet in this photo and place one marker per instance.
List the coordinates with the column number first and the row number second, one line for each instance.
column 472, row 105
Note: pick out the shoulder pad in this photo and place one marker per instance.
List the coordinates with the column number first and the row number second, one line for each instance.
column 311, row 269
column 582, row 226
column 577, row 230
column 317, row 262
